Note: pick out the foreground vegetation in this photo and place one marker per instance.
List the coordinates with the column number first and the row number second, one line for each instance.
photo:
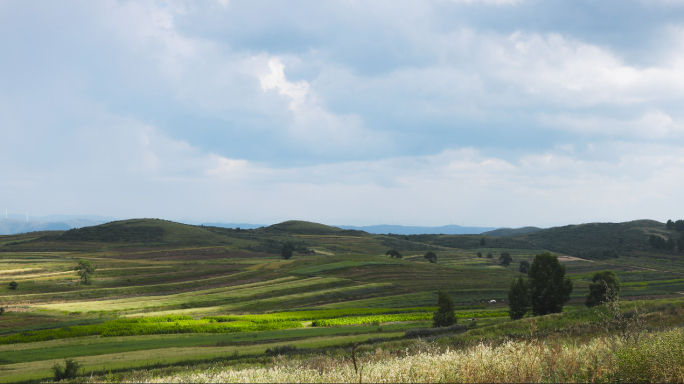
column 659, row 359
column 159, row 299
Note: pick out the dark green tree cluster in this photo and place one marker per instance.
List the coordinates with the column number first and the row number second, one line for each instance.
column 68, row 371
column 545, row 291
column 604, row 287
column 445, row 315
column 287, row 251
column 659, row 242
column 479, row 254
column 505, row 259
column 676, row 225
column 519, row 298
column 431, row 257
column 393, row 253
column 13, row 285
column 524, row 266
column 490, row 255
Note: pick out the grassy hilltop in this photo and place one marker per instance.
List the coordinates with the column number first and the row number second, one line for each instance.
column 166, row 293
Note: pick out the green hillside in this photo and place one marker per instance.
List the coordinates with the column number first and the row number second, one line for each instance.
column 166, row 293
column 297, row 227
column 625, row 238
column 508, row 232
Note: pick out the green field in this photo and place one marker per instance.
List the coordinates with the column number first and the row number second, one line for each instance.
column 166, row 293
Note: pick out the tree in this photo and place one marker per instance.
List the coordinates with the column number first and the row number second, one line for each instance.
column 287, row 251
column 86, row 270
column 505, row 259
column 445, row 315
column 679, row 225
column 519, row 298
column 431, row 257
column 393, row 253
column 549, row 289
column 680, row 243
column 2, row 310
column 604, row 287
column 670, row 224
column 69, row 371
column 479, row 254
column 482, row 241
column 490, row 255
column 524, row 266
column 13, row 285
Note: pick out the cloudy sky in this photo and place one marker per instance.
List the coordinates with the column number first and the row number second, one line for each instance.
column 483, row 112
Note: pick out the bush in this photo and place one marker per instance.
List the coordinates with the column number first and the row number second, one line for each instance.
column 505, row 259
column 393, row 253
column 281, row 350
column 427, row 332
column 524, row 266
column 605, row 286
column 2, row 310
column 13, row 285
column 431, row 257
column 69, row 371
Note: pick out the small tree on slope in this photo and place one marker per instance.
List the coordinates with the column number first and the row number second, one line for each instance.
column 519, row 298
column 549, row 289
column 445, row 316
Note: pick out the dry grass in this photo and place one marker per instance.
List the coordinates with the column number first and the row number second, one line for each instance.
column 659, row 358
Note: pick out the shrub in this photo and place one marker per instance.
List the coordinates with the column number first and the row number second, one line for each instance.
column 605, row 286
column 393, row 253
column 281, row 350
column 427, row 332
column 2, row 310
column 505, row 259
column 431, row 257
column 68, row 371
column 13, row 285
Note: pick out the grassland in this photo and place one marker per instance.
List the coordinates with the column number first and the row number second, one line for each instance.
column 166, row 294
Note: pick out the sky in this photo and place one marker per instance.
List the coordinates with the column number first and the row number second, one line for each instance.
column 472, row 112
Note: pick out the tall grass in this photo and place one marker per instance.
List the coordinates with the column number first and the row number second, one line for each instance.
column 658, row 358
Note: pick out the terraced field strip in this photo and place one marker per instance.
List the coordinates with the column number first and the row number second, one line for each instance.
column 208, row 295
column 40, row 370
column 138, row 288
column 316, row 314
column 338, row 265
column 271, row 303
column 94, row 345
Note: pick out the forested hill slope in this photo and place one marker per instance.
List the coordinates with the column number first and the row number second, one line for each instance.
column 593, row 240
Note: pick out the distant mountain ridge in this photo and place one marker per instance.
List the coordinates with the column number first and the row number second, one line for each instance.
column 383, row 229
column 15, row 227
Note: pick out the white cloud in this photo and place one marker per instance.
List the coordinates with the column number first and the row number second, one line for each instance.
column 312, row 123
column 652, row 125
